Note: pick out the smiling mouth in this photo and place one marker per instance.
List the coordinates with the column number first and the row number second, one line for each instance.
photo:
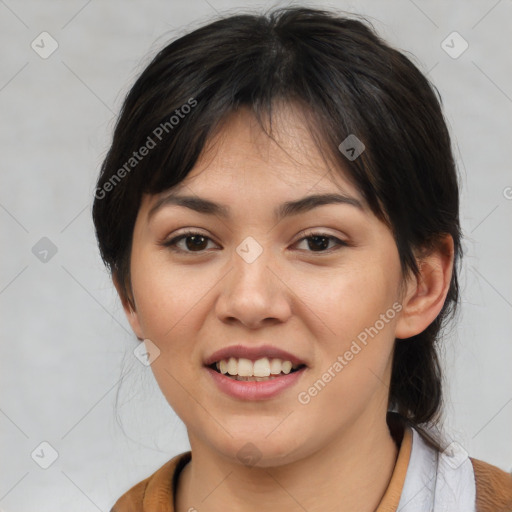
column 231, row 370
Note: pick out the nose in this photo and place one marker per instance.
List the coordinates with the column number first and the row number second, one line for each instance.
column 253, row 294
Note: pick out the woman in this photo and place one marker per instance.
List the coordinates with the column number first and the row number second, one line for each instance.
column 280, row 213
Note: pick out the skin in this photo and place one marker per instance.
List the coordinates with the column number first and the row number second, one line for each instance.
column 311, row 302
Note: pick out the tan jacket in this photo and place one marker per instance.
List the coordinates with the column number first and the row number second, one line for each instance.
column 157, row 492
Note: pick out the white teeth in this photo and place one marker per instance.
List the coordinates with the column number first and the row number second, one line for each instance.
column 245, row 367
column 286, row 367
column 263, row 367
column 232, row 366
column 275, row 366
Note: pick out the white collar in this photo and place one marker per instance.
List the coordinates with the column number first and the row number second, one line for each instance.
column 438, row 481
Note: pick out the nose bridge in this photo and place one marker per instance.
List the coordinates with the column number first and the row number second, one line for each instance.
column 252, row 292
column 250, row 261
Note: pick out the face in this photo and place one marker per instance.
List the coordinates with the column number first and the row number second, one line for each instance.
column 320, row 282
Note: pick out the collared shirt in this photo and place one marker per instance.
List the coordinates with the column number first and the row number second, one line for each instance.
column 423, row 480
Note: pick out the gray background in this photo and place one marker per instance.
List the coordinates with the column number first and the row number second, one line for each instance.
column 66, row 346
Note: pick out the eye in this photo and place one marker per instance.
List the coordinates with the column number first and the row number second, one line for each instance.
column 318, row 242
column 194, row 242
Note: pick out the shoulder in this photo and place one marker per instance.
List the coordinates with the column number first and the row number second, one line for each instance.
column 493, row 487
column 132, row 499
column 156, row 492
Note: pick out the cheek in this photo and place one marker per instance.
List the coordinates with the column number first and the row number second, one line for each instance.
column 354, row 358
column 348, row 299
column 166, row 302
column 164, row 295
column 358, row 306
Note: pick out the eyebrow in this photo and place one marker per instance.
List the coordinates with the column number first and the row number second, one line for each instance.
column 207, row 207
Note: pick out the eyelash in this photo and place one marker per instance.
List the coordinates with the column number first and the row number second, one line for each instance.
column 171, row 244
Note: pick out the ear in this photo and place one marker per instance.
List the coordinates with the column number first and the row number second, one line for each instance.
column 129, row 309
column 425, row 295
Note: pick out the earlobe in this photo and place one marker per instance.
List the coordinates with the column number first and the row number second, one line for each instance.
column 426, row 293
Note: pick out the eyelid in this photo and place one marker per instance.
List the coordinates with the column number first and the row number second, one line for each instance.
column 308, row 232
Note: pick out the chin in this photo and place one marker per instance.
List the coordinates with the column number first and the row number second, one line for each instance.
column 253, row 450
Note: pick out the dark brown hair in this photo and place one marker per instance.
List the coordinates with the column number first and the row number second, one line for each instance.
column 349, row 81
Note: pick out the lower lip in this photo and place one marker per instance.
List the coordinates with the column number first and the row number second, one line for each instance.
column 254, row 390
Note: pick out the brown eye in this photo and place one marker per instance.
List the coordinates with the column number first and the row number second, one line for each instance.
column 193, row 242
column 196, row 242
column 319, row 242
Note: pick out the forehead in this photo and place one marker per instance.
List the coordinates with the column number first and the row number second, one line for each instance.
column 246, row 174
column 241, row 155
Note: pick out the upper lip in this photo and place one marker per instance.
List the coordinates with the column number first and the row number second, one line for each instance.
column 252, row 353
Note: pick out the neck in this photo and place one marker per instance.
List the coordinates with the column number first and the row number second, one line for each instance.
column 349, row 474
